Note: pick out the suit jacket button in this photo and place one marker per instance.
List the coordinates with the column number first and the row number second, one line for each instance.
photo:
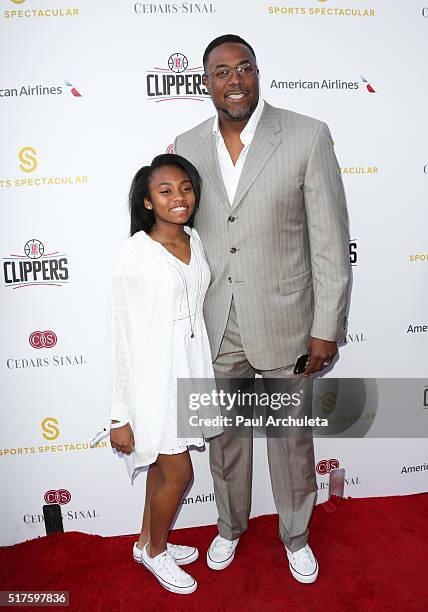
column 233, row 250
column 231, row 219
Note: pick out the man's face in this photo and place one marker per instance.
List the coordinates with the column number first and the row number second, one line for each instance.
column 236, row 96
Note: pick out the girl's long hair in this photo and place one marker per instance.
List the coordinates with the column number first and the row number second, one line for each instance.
column 143, row 218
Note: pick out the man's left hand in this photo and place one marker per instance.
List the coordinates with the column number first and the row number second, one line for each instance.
column 322, row 353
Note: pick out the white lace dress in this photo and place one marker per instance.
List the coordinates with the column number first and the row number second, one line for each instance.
column 191, row 355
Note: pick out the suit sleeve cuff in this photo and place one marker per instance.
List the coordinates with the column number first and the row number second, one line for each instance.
column 325, row 329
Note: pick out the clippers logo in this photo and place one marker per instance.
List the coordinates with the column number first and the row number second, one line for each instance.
column 61, row 496
column 177, row 82
column 34, row 249
column 72, row 89
column 326, row 465
column 35, row 267
column 43, row 339
column 178, row 62
column 369, row 87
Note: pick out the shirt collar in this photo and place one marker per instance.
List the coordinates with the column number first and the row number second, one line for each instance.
column 247, row 133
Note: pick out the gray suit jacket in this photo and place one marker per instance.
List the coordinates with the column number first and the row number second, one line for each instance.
column 281, row 249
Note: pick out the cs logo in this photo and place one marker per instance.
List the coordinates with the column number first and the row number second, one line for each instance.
column 43, row 339
column 50, row 429
column 326, row 465
column 28, row 159
column 61, row 496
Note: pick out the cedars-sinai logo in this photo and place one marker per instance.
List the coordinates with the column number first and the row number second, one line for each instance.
column 43, row 339
column 35, row 267
column 176, row 81
column 326, row 465
column 58, row 496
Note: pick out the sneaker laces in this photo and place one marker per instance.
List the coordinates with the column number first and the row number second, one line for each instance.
column 223, row 545
column 167, row 562
column 304, row 555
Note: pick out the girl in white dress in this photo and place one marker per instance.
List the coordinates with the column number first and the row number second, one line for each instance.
column 159, row 335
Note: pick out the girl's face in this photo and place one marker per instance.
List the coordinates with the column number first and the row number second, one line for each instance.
column 171, row 195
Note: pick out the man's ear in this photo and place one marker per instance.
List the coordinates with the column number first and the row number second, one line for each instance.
column 205, row 82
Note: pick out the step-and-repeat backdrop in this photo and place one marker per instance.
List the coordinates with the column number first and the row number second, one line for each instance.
column 91, row 91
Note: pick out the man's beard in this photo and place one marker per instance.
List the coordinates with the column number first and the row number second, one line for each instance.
column 240, row 115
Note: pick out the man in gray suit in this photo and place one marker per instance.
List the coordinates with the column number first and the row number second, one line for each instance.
column 273, row 223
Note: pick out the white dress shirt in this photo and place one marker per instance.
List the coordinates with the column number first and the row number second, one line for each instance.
column 231, row 173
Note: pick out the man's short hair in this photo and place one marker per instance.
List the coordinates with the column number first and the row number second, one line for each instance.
column 226, row 38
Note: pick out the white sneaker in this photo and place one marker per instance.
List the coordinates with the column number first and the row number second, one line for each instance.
column 166, row 570
column 221, row 552
column 182, row 554
column 303, row 564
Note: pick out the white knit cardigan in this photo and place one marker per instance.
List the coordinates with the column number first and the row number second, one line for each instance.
column 142, row 339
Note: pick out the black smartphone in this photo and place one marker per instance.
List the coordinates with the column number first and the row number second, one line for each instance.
column 300, row 364
column 53, row 518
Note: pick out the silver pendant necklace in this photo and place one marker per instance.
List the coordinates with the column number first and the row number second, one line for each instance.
column 186, row 290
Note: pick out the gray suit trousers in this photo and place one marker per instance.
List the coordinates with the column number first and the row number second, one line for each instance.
column 290, row 456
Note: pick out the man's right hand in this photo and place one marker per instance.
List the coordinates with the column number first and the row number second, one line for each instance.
column 122, row 439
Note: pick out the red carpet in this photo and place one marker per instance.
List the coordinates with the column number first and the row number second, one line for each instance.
column 372, row 555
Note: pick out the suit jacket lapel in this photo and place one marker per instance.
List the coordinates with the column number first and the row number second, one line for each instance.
column 209, row 161
column 265, row 141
